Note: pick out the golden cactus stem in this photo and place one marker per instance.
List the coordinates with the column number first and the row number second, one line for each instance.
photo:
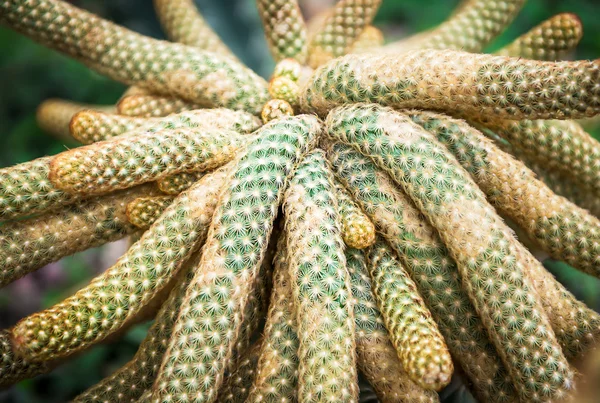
column 229, row 262
column 177, row 183
column 456, row 82
column 143, row 211
column 27, row 245
column 109, row 301
column 285, row 29
column 152, row 106
column 340, row 29
column 357, row 229
column 13, row 367
column 320, row 286
column 130, row 160
column 472, row 26
column 553, row 39
column 183, row 23
column 565, row 231
column 370, row 39
column 376, row 356
column 236, row 386
column 431, row 267
column 160, row 67
column 54, row 115
column 491, row 271
column 91, row 126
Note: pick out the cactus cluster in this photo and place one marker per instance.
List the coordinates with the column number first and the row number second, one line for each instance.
column 359, row 212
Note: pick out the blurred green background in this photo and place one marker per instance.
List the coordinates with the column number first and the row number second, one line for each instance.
column 30, row 74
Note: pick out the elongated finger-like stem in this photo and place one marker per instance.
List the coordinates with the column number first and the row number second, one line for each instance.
column 376, row 355
column 92, row 126
column 111, row 299
column 13, row 367
column 481, row 244
column 177, row 183
column 130, row 160
column 237, row 385
column 285, row 29
column 357, row 229
column 431, row 267
column 27, row 245
column 420, row 346
column 553, row 39
column 165, row 68
column 371, row 38
column 209, row 321
column 143, row 211
column 149, row 106
column 475, row 85
column 338, row 31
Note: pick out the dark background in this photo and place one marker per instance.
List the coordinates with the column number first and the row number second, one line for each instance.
column 30, row 74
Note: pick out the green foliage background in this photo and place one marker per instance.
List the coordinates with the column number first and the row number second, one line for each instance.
column 30, row 74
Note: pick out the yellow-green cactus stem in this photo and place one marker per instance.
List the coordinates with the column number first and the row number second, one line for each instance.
column 276, row 109
column 418, row 342
column 111, row 299
column 553, row 39
column 320, row 286
column 236, row 386
column 209, row 321
column 376, row 356
column 430, row 266
column 183, row 23
column 143, row 211
column 370, row 39
column 472, row 26
column 276, row 377
column 339, row 30
column 91, row 126
column 357, row 229
column 165, row 68
column 130, row 160
column 289, row 68
column 285, row 29
column 27, row 245
column 13, row 367
column 177, row 183
column 152, row 106
column 479, row 241
column 476, row 85
column 284, row 88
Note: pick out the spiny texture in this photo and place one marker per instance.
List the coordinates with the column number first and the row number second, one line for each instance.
column 143, row 211
column 27, row 245
column 320, row 286
column 276, row 109
column 177, row 183
column 106, row 304
column 430, row 266
column 92, row 126
column 476, row 237
column 147, row 106
column 13, row 367
column 209, row 320
column 376, row 356
column 285, row 29
column 357, row 229
column 553, row 39
column 162, row 67
column 237, row 386
column 461, row 83
column 420, row 346
column 131, row 160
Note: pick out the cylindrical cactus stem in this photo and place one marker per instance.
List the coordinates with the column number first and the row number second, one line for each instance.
column 161, row 67
column 479, row 241
column 320, row 286
column 472, row 26
column 357, row 229
column 562, row 229
column 430, row 266
column 54, row 115
column 143, row 211
column 14, row 368
column 209, row 322
column 376, row 356
column 475, row 85
column 276, row 377
column 236, row 386
column 120, row 293
column 153, row 106
column 131, row 160
column 177, row 183
column 27, row 245
column 91, row 126
column 339, row 30
column 183, row 23
column 370, row 39
column 553, row 39
column 285, row 29
column 418, row 342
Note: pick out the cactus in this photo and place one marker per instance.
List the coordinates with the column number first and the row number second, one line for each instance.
column 200, row 156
